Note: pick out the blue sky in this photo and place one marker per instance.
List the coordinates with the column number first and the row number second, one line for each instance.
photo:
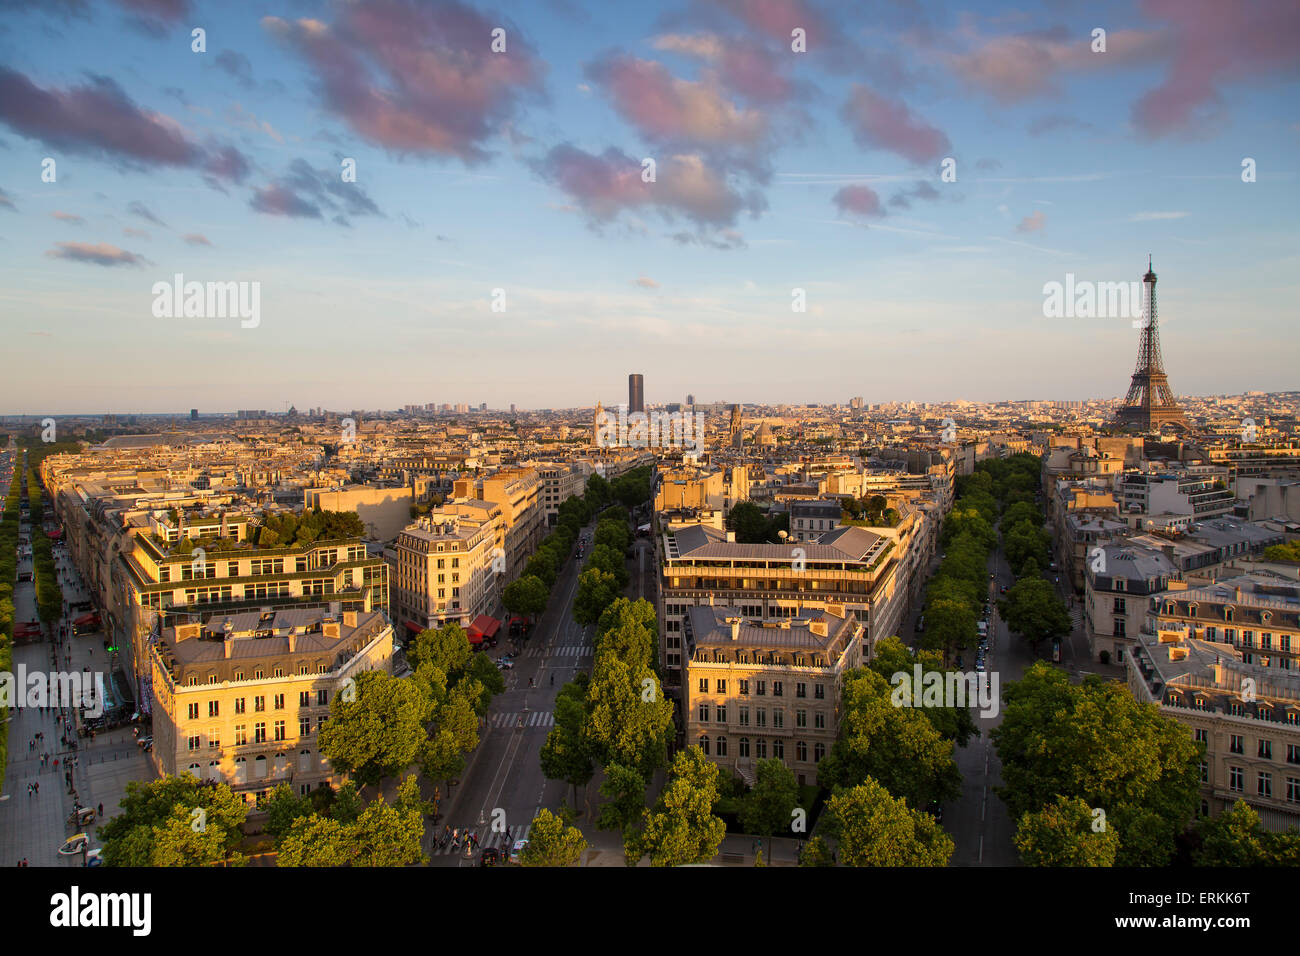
column 521, row 171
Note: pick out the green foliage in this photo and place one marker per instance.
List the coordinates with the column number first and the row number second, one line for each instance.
column 1032, row 609
column 874, row 828
column 527, row 595
column 1096, row 742
column 565, row 755
column 681, row 828
column 624, row 789
column 1287, row 551
column 629, row 720
column 897, row 746
column 597, row 590
column 753, row 526
column 283, row 807
column 288, row 529
column 768, row 807
column 379, row 733
column 1066, row 833
column 892, row 656
column 380, row 834
column 446, row 648
column 1236, row 838
column 551, row 843
column 158, row 825
column 816, row 853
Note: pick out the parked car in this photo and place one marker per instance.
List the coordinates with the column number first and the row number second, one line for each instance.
column 505, row 664
column 95, row 857
column 517, row 849
column 491, row 857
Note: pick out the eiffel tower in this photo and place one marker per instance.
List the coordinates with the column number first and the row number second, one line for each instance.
column 1150, row 402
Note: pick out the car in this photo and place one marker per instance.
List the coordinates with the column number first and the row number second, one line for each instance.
column 505, row 664
column 74, row 844
column 979, row 667
column 517, row 849
column 491, row 857
column 1002, row 589
column 82, row 816
column 95, row 857
column 144, row 742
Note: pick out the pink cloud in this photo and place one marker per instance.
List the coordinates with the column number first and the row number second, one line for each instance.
column 417, row 77
column 101, row 254
column 858, row 201
column 196, row 239
column 880, row 123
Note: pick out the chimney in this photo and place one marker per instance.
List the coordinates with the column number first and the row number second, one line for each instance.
column 350, row 618
column 1218, row 670
column 228, row 646
column 735, row 628
column 731, row 537
column 293, row 642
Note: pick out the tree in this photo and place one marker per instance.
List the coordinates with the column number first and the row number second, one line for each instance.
column 148, row 830
column 816, row 853
column 283, row 808
column 526, row 595
column 551, row 843
column 610, row 561
column 1034, row 612
column 768, row 807
column 897, row 746
column 949, row 627
column 390, row 835
column 565, row 754
column 315, row 841
column 875, row 828
column 1096, row 742
column 1066, row 833
column 892, row 657
column 597, row 590
column 446, row 648
column 681, row 828
column 749, row 523
column 454, row 734
column 379, row 733
column 1236, row 838
column 1024, row 541
column 624, row 788
column 481, row 682
column 629, row 720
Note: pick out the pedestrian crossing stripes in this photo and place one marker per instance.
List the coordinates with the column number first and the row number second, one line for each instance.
column 564, row 650
column 531, row 718
column 501, row 840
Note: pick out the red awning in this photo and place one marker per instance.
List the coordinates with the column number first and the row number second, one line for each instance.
column 484, row 626
column 413, row 627
column 516, row 620
column 87, row 618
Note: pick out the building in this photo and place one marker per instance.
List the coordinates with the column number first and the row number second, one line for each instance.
column 1256, row 613
column 384, row 511
column 809, row 520
column 1120, row 581
column 635, row 393
column 757, row 689
column 241, row 698
column 1193, row 493
column 442, row 570
column 1246, row 716
column 560, row 482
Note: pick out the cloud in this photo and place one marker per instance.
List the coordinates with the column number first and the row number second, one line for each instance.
column 858, row 201
column 416, row 76
column 68, row 217
column 1212, row 44
column 236, row 65
column 98, row 119
column 138, row 233
column 1150, row 216
column 196, row 239
column 306, row 192
column 748, row 70
column 6, row 202
column 1033, row 223
column 880, row 123
column 645, row 283
column 922, row 190
column 236, row 114
column 101, row 254
column 136, row 208
column 610, row 184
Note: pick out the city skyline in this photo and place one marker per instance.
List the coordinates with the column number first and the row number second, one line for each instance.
column 820, row 171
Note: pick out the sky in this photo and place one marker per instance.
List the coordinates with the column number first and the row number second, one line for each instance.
column 920, row 171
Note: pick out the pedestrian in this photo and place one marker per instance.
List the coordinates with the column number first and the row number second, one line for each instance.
column 36, row 785
column 101, row 810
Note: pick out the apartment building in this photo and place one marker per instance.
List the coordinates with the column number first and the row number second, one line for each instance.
column 442, row 569
column 1196, row 493
column 240, row 699
column 1257, row 613
column 809, row 520
column 1246, row 716
column 857, row 570
column 516, row 495
column 383, row 510
column 758, row 689
column 1121, row 578
column 560, row 482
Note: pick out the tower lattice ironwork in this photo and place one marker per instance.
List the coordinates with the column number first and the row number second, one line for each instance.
column 1150, row 401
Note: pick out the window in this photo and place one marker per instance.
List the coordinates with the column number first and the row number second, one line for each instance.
column 241, row 735
column 259, row 733
column 1293, row 753
column 279, row 701
column 304, row 726
column 279, row 730
column 819, row 720
column 760, row 687
column 193, row 742
column 1205, row 772
column 704, row 712
column 819, row 751
column 801, row 751
column 1264, row 784
column 744, row 716
column 239, row 705
column 722, row 746
column 1266, row 749
column 1293, row 789
column 744, row 688
column 760, row 749
column 722, row 686
column 1202, row 736
column 778, row 749
column 704, row 744
column 304, row 698
column 819, row 691
column 322, row 698
column 259, row 704
column 776, row 688
column 801, row 718
column 1236, row 744
column 193, row 711
column 801, row 689
column 214, row 708
column 722, row 713
column 744, row 746
column 704, row 685
column 1236, row 781
column 760, row 717
column 778, row 719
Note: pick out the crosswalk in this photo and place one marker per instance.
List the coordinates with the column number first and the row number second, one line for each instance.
column 502, row 840
column 531, row 718
column 563, row 650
